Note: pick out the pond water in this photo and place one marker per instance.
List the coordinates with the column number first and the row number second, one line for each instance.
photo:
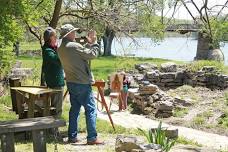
column 174, row 48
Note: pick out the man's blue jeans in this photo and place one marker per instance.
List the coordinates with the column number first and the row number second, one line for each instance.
column 82, row 95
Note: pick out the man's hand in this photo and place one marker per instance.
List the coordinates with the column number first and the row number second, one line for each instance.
column 92, row 37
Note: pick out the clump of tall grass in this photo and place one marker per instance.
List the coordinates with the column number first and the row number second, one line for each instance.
column 198, row 65
column 158, row 136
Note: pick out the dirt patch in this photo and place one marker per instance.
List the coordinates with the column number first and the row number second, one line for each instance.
column 81, row 146
column 207, row 110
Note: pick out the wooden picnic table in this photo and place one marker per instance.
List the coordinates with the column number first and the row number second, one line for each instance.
column 30, row 95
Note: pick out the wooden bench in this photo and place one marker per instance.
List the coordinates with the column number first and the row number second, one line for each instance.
column 36, row 125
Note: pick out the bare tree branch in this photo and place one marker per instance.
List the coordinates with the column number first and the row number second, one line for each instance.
column 46, row 20
column 200, row 10
column 204, row 6
column 75, row 15
column 188, row 10
column 220, row 11
column 174, row 11
column 39, row 4
column 38, row 36
column 207, row 18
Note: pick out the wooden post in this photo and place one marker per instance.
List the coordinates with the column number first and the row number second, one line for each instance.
column 39, row 141
column 31, row 105
column 14, row 82
column 105, row 105
column 20, row 108
column 47, row 105
column 7, row 142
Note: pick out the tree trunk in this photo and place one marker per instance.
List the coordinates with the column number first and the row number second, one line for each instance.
column 16, row 47
column 99, row 43
column 107, row 40
column 55, row 16
column 203, row 47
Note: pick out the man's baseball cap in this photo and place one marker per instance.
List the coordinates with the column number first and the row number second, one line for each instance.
column 66, row 29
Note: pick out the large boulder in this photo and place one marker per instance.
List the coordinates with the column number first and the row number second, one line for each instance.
column 134, row 144
column 127, row 143
column 216, row 54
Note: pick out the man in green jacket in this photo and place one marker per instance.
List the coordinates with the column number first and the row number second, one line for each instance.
column 75, row 60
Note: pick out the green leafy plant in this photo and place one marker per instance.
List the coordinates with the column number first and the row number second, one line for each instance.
column 158, row 136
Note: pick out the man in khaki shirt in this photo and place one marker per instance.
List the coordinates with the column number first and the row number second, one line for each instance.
column 75, row 61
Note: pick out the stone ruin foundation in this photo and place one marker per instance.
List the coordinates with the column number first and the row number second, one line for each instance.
column 149, row 82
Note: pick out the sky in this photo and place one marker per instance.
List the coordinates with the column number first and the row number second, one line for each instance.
column 183, row 14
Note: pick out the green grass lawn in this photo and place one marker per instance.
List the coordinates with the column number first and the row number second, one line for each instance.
column 101, row 66
column 26, row 46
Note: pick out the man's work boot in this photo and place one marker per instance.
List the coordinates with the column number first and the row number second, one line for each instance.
column 73, row 140
column 95, row 142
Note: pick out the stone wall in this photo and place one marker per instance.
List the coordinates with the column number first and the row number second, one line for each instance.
column 18, row 72
column 171, row 76
column 31, row 53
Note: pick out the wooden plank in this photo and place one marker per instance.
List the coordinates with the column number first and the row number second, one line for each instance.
column 7, row 142
column 35, row 90
column 44, row 87
column 19, row 102
column 30, row 124
column 14, row 82
column 39, row 141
